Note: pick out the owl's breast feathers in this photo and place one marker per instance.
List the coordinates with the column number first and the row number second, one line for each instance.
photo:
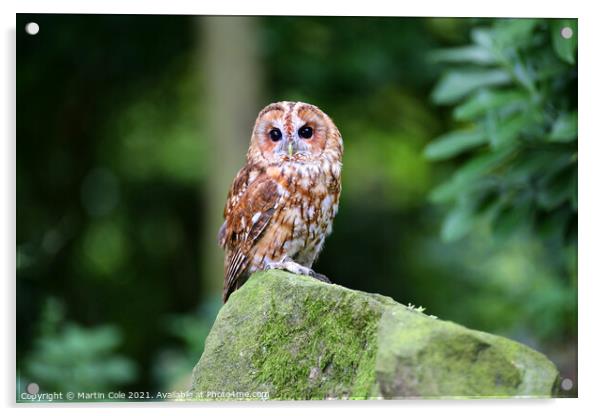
column 281, row 210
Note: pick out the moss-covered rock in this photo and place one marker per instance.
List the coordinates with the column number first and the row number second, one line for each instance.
column 297, row 338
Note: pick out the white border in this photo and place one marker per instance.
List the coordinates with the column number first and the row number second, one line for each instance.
column 590, row 215
column 506, row 8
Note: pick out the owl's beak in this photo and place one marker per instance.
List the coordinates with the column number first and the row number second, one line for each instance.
column 289, row 147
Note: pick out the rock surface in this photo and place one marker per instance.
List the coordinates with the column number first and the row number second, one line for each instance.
column 297, row 338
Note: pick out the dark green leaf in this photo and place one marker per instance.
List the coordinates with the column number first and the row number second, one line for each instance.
column 457, row 84
column 557, row 189
column 524, row 76
column 484, row 100
column 564, row 128
column 482, row 36
column 551, row 225
column 504, row 132
column 453, row 143
column 468, row 175
column 473, row 54
column 513, row 32
column 511, row 218
column 537, row 163
column 457, row 223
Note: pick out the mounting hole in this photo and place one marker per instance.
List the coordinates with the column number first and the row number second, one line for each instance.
column 566, row 384
column 33, row 388
column 566, row 32
column 32, row 28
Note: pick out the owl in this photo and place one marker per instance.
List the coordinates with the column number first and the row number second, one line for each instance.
column 282, row 203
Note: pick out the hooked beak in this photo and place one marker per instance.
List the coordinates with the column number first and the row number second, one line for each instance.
column 289, row 147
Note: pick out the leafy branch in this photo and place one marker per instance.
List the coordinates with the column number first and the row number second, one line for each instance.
column 514, row 96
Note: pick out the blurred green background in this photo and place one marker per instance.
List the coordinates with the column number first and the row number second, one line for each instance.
column 459, row 179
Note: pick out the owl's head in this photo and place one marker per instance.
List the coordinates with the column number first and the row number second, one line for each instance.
column 290, row 131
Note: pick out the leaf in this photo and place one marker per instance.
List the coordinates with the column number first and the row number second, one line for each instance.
column 484, row 100
column 473, row 54
column 511, row 218
column 524, row 76
column 457, row 223
column 513, row 32
column 564, row 128
column 482, row 36
column 454, row 143
column 457, row 84
column 557, row 189
column 467, row 177
column 551, row 225
column 529, row 166
column 504, row 132
column 565, row 48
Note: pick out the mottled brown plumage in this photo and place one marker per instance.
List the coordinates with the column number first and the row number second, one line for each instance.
column 282, row 203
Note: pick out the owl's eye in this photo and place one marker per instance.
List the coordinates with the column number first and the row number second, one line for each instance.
column 275, row 135
column 306, row 132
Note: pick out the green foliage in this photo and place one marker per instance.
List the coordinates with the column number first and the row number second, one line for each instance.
column 393, row 170
column 110, row 163
column 166, row 143
column 516, row 288
column 514, row 96
column 69, row 357
column 172, row 367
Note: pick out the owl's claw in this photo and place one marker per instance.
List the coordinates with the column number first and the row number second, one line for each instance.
column 296, row 268
column 319, row 276
column 290, row 266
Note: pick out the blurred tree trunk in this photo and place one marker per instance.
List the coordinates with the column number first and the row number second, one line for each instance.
column 232, row 88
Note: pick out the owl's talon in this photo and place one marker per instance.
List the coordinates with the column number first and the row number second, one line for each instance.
column 296, row 268
column 289, row 266
column 319, row 276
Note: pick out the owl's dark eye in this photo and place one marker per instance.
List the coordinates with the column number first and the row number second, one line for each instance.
column 306, row 132
column 275, row 135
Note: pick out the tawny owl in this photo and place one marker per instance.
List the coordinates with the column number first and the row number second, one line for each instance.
column 282, row 203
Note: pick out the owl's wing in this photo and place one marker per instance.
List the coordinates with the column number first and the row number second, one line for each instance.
column 237, row 191
column 245, row 223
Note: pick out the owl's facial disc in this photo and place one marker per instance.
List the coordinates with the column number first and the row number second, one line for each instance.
column 291, row 132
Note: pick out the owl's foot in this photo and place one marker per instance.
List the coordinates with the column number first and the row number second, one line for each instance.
column 293, row 267
column 319, row 277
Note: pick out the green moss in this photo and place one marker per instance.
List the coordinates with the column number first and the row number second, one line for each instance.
column 318, row 345
column 297, row 338
column 422, row 357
